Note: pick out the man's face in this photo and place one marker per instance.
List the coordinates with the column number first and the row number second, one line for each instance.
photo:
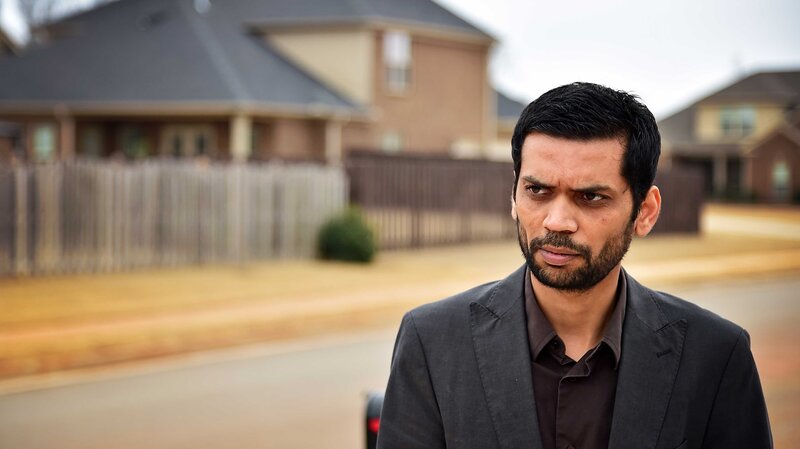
column 573, row 210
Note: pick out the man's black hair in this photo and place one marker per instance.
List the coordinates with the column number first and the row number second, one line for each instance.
column 586, row 111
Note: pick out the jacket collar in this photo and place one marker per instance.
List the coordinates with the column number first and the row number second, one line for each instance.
column 651, row 354
column 500, row 339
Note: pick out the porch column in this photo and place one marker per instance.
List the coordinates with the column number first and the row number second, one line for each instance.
column 240, row 137
column 66, row 137
column 333, row 142
column 720, row 173
column 747, row 173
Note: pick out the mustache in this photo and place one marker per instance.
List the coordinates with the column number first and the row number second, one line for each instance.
column 561, row 241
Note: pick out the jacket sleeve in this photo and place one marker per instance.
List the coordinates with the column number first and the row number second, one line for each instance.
column 410, row 417
column 739, row 415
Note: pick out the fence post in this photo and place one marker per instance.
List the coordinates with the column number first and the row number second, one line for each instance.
column 21, row 265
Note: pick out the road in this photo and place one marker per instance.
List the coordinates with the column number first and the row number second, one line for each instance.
column 309, row 394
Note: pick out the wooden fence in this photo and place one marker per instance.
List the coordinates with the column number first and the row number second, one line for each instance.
column 103, row 216
column 416, row 201
column 682, row 198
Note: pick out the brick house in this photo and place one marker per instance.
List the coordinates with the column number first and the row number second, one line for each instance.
column 745, row 138
column 254, row 79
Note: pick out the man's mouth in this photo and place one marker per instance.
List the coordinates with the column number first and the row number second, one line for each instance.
column 557, row 256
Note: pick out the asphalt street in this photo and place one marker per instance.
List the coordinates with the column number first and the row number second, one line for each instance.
column 304, row 394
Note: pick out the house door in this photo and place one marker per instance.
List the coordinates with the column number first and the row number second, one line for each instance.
column 186, row 141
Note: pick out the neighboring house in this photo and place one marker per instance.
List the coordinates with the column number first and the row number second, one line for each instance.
column 254, row 79
column 745, row 138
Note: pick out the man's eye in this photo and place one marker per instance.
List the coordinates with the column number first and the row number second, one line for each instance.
column 592, row 197
column 537, row 190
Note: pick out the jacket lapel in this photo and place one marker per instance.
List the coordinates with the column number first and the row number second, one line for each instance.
column 501, row 348
column 651, row 352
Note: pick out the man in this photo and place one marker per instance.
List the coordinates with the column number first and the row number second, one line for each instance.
column 570, row 351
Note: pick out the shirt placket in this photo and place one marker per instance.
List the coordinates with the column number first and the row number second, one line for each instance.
column 569, row 398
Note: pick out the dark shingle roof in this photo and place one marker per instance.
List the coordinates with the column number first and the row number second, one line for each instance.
column 508, row 109
column 160, row 51
column 679, row 127
column 164, row 51
column 763, row 86
column 423, row 12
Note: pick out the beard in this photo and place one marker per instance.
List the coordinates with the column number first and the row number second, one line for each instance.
column 580, row 279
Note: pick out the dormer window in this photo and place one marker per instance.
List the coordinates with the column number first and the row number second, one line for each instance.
column 397, row 60
column 737, row 121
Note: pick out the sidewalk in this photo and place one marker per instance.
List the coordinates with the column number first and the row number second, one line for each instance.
column 92, row 321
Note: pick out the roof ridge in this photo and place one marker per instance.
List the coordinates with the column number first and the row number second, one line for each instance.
column 214, row 51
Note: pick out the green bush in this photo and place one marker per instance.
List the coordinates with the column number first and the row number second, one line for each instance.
column 347, row 237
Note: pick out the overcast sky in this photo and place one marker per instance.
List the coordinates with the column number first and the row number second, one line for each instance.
column 668, row 52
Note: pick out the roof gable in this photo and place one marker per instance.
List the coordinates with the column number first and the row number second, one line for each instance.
column 762, row 86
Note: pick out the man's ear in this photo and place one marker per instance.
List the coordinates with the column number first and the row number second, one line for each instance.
column 648, row 212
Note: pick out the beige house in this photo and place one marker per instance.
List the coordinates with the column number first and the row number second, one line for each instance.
column 744, row 138
column 257, row 80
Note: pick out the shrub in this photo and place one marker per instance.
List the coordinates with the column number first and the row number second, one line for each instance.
column 347, row 237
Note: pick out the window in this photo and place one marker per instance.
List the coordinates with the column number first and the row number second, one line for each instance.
column 44, row 142
column 133, row 143
column 190, row 140
column 781, row 178
column 91, row 141
column 397, row 60
column 392, row 142
column 737, row 121
column 200, row 145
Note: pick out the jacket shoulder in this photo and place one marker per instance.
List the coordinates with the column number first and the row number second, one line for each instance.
column 450, row 312
column 698, row 318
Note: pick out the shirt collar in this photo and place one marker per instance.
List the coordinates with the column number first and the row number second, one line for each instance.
column 540, row 332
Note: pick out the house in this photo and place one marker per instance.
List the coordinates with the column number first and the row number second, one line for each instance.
column 745, row 138
column 254, row 79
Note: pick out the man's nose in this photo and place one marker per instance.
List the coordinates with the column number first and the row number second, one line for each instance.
column 561, row 217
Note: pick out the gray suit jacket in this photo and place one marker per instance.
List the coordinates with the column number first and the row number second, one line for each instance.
column 461, row 376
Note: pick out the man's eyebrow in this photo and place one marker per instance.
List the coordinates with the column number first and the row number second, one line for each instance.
column 532, row 180
column 593, row 188
column 588, row 189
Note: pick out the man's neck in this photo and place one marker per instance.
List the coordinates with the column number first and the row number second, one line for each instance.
column 578, row 317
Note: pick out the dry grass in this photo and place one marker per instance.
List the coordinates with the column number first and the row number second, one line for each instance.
column 56, row 323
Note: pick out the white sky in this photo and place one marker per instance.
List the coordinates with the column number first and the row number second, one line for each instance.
column 668, row 52
column 11, row 21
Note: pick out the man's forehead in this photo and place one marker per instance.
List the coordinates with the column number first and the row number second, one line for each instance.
column 577, row 163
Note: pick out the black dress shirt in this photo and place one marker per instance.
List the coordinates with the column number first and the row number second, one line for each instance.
column 574, row 399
